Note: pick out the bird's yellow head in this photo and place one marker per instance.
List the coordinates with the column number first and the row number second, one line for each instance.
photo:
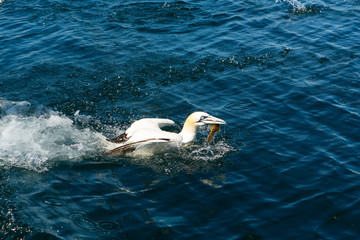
column 194, row 121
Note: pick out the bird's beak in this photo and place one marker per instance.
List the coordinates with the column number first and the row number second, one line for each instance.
column 213, row 120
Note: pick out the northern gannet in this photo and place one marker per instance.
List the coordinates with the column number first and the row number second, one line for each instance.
column 144, row 136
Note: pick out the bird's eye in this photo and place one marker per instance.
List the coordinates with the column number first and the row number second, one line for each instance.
column 202, row 118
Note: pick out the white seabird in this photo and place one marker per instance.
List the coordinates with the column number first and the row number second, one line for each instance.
column 145, row 136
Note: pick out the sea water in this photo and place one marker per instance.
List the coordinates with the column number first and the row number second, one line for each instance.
column 283, row 74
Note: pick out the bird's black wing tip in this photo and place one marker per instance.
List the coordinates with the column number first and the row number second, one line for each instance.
column 119, row 139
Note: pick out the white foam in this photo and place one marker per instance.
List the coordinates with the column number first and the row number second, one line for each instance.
column 13, row 108
column 297, row 5
column 208, row 152
column 33, row 139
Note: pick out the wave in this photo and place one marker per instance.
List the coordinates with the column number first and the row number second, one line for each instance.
column 35, row 138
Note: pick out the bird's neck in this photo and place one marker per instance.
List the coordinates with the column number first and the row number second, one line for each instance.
column 188, row 132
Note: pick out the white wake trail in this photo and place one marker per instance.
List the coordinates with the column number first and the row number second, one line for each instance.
column 32, row 139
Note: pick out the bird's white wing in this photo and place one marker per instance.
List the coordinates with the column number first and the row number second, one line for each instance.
column 154, row 124
column 148, row 123
column 149, row 134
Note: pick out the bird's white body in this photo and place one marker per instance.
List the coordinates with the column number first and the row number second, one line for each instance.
column 145, row 136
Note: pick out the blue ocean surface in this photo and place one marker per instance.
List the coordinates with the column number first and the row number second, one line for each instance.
column 283, row 74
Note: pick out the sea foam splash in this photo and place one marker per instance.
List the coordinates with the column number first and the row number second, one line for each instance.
column 33, row 138
column 208, row 152
column 297, row 5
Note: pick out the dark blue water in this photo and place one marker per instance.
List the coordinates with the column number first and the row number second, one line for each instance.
column 284, row 75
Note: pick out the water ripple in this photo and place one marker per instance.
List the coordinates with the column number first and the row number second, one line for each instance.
column 283, row 74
